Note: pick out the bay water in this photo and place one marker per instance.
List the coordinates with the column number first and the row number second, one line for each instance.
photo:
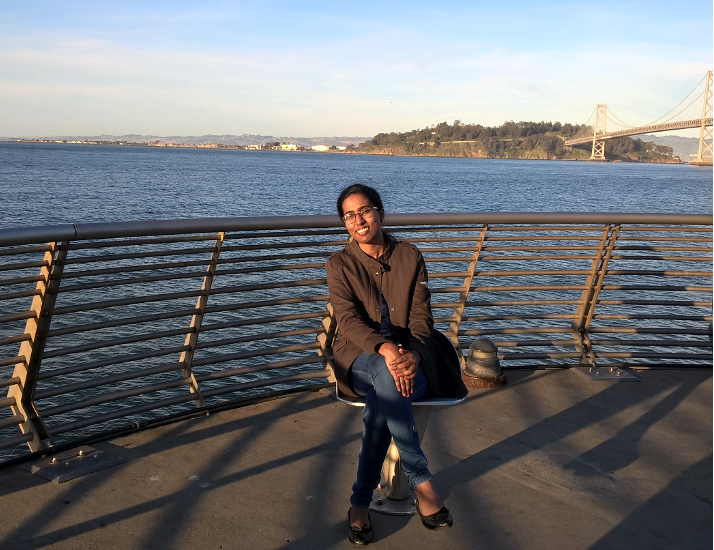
column 44, row 184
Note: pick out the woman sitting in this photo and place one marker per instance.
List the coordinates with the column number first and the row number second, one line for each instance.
column 379, row 291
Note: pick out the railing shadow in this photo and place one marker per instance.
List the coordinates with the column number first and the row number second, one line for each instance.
column 531, row 422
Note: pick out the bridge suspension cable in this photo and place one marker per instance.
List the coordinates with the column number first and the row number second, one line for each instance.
column 611, row 116
column 657, row 121
column 586, row 129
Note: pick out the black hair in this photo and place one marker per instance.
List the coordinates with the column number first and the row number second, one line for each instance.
column 359, row 189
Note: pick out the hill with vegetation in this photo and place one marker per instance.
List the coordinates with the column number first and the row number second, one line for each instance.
column 512, row 140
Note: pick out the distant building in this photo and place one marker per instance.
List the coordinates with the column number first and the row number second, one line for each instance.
column 320, row 148
column 288, row 147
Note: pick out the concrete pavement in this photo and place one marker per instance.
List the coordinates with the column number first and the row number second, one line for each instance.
column 549, row 461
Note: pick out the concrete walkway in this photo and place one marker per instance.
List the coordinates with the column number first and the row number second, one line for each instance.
column 550, row 461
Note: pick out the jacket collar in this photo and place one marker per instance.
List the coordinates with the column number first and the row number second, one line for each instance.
column 354, row 250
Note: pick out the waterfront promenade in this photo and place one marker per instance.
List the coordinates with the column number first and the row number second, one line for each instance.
column 550, row 461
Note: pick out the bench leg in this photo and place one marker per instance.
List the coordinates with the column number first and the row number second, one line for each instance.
column 393, row 495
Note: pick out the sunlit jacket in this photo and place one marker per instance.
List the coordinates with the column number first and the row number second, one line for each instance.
column 357, row 281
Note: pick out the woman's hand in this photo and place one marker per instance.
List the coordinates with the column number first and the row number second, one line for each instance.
column 402, row 364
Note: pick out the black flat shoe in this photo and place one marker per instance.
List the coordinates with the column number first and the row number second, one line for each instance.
column 439, row 520
column 359, row 536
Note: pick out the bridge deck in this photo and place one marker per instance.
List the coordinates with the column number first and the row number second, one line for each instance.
column 551, row 460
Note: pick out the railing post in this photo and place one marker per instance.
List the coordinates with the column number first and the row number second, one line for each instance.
column 326, row 340
column 464, row 295
column 196, row 321
column 31, row 350
column 589, row 297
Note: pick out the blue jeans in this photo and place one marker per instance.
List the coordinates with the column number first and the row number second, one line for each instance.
column 387, row 414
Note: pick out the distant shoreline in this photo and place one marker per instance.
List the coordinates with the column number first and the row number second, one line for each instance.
column 272, row 147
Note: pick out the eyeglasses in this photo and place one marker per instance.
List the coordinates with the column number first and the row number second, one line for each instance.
column 364, row 213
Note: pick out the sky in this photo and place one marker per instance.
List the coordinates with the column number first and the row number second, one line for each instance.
column 313, row 69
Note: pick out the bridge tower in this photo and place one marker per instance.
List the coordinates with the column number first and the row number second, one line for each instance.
column 705, row 154
column 598, row 152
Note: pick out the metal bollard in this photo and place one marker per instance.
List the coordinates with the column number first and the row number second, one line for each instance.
column 483, row 369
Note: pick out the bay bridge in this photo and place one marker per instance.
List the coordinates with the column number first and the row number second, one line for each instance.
column 678, row 118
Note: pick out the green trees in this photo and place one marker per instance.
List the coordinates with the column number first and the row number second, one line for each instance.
column 527, row 140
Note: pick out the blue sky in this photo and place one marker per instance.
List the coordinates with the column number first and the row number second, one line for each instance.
column 341, row 69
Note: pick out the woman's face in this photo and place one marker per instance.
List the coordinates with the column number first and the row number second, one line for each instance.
column 365, row 228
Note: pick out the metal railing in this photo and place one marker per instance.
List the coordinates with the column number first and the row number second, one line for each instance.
column 108, row 326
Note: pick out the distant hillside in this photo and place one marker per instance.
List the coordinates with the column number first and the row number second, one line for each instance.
column 682, row 147
column 512, row 140
column 226, row 139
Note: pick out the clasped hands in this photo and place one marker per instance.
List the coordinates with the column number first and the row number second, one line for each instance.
column 402, row 364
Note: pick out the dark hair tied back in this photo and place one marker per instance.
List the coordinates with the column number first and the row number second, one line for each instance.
column 359, row 189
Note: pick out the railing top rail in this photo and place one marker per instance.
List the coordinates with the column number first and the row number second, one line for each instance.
column 110, row 230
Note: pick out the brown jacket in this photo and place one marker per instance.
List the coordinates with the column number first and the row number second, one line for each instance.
column 356, row 282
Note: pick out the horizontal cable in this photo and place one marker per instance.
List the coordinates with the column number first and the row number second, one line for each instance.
column 134, row 281
column 7, row 402
column 309, row 375
column 627, row 316
column 142, row 241
column 114, row 360
column 123, row 321
column 516, row 356
column 532, row 273
column 281, row 245
column 96, row 382
column 20, row 315
column 652, row 343
column 268, row 303
column 258, row 337
column 648, row 330
column 268, row 269
column 537, row 343
column 9, row 421
column 224, row 260
column 268, row 286
column 14, row 441
column 240, row 371
column 21, row 280
column 18, row 250
column 653, row 355
column 515, row 317
column 263, row 320
column 661, row 258
column 516, row 330
column 129, row 301
column 251, row 354
column 23, row 265
column 11, row 361
column 15, row 339
column 487, row 258
column 131, row 269
column 20, row 294
column 114, row 396
column 504, row 303
column 136, row 255
column 6, row 382
column 118, row 342
column 122, row 412
column 663, row 288
column 527, row 288
column 655, row 273
column 679, row 303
